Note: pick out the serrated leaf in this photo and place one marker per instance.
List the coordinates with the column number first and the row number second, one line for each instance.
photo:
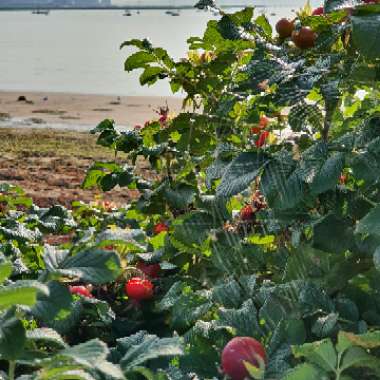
column 366, row 35
column 321, row 353
column 93, row 265
column 12, row 336
column 49, row 305
column 370, row 224
column 141, row 347
column 368, row 340
column 46, row 335
column 304, row 371
column 21, row 293
column 240, row 173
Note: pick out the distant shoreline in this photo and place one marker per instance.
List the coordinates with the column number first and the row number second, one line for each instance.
column 127, row 7
column 79, row 112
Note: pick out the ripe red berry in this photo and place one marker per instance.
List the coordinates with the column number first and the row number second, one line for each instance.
column 151, row 270
column 318, row 11
column 139, row 289
column 240, row 350
column 160, row 227
column 304, row 38
column 284, row 28
column 262, row 139
column 80, row 290
column 246, row 213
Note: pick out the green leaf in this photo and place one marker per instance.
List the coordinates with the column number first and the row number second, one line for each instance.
column 141, row 44
column 91, row 351
column 92, row 354
column 332, row 225
column 281, row 185
column 240, row 173
column 366, row 35
column 5, row 271
column 324, row 326
column 370, row 224
column 20, row 293
column 264, row 24
column 12, row 336
column 138, row 60
column 181, row 196
column 227, row 293
column 354, row 356
column 46, row 335
column 244, row 320
column 58, row 300
column 304, row 115
column 192, row 229
column 368, row 340
column 376, row 258
column 92, row 265
column 321, row 353
column 141, row 347
column 305, row 371
column 150, row 75
column 328, row 175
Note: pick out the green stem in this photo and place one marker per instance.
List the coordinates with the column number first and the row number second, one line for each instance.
column 11, row 370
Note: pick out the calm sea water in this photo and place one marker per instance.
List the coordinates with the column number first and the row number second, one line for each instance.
column 78, row 51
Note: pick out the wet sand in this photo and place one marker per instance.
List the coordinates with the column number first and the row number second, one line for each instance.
column 78, row 112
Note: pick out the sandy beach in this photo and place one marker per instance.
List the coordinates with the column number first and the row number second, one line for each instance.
column 46, row 148
column 78, row 112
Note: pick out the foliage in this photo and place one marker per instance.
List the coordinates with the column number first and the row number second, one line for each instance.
column 298, row 272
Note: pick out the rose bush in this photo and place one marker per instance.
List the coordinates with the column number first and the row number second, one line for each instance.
column 273, row 239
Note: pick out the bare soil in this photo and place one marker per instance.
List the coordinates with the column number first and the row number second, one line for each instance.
column 50, row 165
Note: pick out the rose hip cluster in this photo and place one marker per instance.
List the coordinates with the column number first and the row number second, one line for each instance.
column 305, row 37
column 141, row 288
column 247, row 213
column 259, row 130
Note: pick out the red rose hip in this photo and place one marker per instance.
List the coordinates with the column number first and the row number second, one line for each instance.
column 160, row 227
column 246, row 213
column 139, row 289
column 151, row 270
column 262, row 139
column 304, row 38
column 240, row 350
column 284, row 28
column 80, row 291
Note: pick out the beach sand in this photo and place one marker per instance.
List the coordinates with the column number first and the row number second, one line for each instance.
column 46, row 148
column 79, row 112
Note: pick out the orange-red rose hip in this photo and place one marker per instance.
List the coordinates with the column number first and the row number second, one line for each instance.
column 240, row 350
column 304, row 38
column 139, row 289
column 284, row 28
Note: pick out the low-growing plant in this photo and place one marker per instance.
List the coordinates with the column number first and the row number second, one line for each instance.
column 260, row 228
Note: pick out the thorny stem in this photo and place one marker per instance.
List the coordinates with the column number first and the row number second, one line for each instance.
column 11, row 370
column 326, row 128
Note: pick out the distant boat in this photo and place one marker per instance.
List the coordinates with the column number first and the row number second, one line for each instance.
column 127, row 13
column 175, row 13
column 169, row 12
column 41, row 12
